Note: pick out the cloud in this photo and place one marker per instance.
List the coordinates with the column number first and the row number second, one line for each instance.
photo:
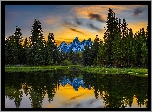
column 77, row 21
column 90, row 25
column 75, row 30
column 96, row 17
column 68, row 24
column 137, row 11
column 50, row 21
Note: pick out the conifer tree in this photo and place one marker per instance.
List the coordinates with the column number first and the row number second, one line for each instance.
column 24, row 51
column 112, row 27
column 100, row 54
column 18, row 39
column 50, row 49
column 36, row 54
column 11, row 51
column 94, row 49
column 116, row 44
column 130, row 51
column 86, row 55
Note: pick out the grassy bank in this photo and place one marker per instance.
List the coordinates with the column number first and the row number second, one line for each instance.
column 131, row 71
column 99, row 70
column 35, row 68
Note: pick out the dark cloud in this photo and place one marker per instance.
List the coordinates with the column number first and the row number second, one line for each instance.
column 77, row 21
column 68, row 24
column 137, row 11
column 75, row 30
column 90, row 25
column 96, row 17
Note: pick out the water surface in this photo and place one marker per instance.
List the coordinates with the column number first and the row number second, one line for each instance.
column 74, row 89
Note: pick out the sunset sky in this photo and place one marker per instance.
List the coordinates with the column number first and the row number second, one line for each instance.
column 70, row 21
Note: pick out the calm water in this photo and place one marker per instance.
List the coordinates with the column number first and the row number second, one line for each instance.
column 74, row 89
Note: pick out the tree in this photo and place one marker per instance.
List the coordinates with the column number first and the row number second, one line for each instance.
column 24, row 51
column 13, row 48
column 100, row 55
column 71, row 56
column 117, row 44
column 144, row 55
column 124, row 44
column 140, row 40
column 18, row 39
column 50, row 49
column 36, row 53
column 130, row 51
column 109, row 36
column 11, row 51
column 86, row 55
column 94, row 49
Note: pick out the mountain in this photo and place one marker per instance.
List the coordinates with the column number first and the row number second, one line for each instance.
column 75, row 45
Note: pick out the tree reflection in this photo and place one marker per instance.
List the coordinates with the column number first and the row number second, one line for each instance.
column 117, row 91
column 12, row 89
column 120, row 89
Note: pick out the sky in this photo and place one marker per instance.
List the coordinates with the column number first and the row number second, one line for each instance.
column 69, row 21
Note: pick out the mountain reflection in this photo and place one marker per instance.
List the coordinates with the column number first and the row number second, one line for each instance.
column 117, row 91
column 76, row 83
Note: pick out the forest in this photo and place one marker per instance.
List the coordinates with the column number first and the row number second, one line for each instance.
column 120, row 47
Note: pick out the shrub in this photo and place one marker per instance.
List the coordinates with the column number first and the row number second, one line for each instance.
column 66, row 62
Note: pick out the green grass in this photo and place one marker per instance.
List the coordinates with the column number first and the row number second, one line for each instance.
column 35, row 68
column 98, row 70
column 131, row 71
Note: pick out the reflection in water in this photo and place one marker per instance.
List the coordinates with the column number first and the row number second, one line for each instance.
column 110, row 91
column 76, row 83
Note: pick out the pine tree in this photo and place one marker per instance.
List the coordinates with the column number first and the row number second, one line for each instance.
column 146, row 35
column 36, row 54
column 24, row 51
column 116, row 44
column 130, row 51
column 144, row 55
column 11, row 51
column 140, row 41
column 71, row 56
column 100, row 54
column 94, row 49
column 57, row 56
column 109, row 36
column 50, row 49
column 18, row 39
column 124, row 44
column 86, row 55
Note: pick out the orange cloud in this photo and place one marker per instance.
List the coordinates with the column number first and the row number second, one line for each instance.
column 102, row 9
column 51, row 19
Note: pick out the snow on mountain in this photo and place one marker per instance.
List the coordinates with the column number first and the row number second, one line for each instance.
column 75, row 45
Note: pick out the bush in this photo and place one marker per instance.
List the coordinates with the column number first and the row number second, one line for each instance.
column 66, row 62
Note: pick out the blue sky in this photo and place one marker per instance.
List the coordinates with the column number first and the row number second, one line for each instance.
column 70, row 21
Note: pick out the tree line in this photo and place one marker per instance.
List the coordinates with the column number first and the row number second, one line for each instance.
column 120, row 47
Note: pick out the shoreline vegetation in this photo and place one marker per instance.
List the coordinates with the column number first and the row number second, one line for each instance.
column 97, row 69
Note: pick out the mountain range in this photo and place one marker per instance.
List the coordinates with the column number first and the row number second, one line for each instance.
column 75, row 45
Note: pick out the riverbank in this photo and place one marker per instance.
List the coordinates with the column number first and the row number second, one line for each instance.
column 36, row 68
column 131, row 71
column 98, row 70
